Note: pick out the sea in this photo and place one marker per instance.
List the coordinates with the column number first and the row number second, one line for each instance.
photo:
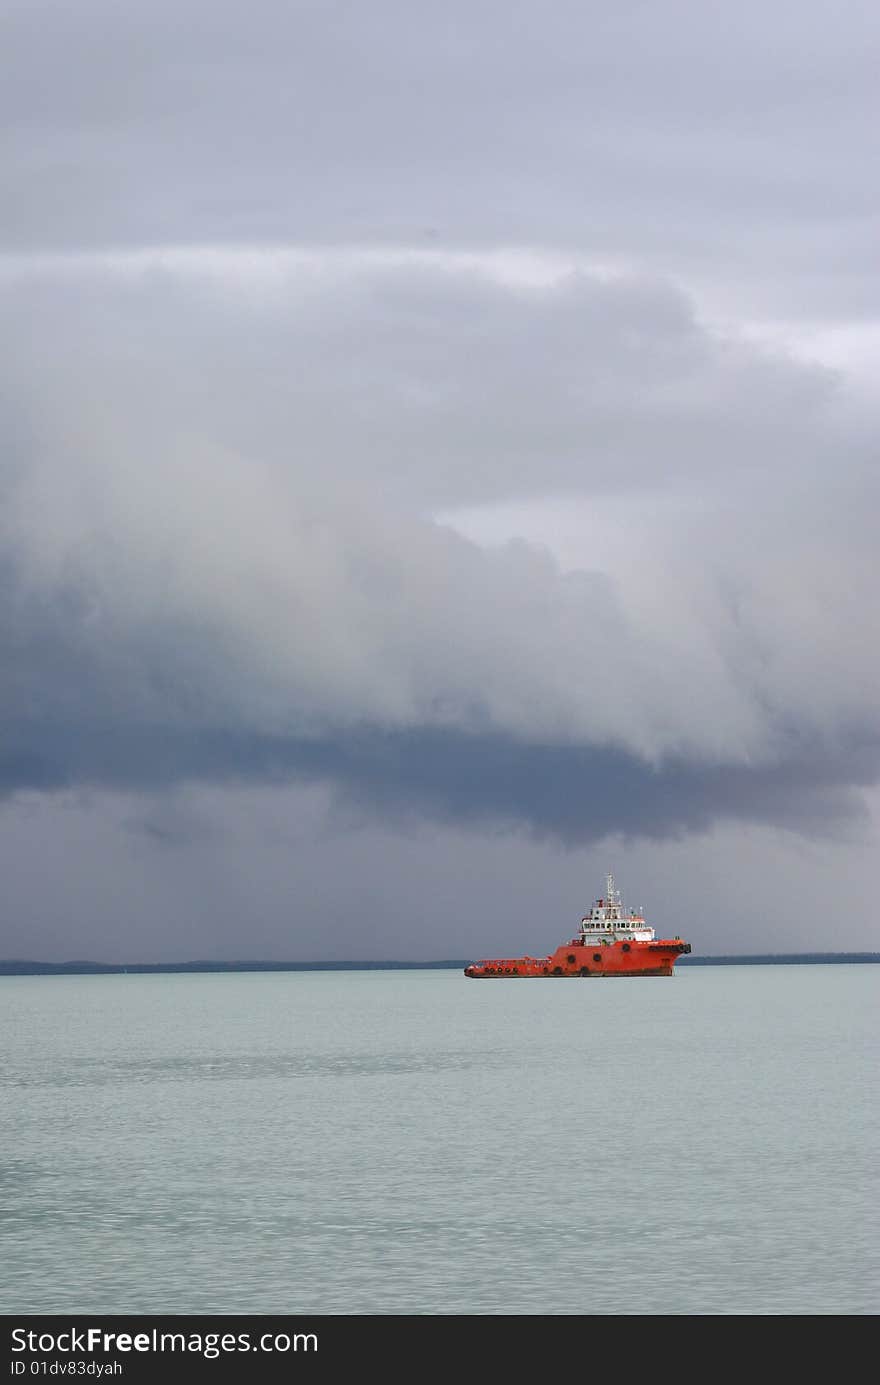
column 415, row 1143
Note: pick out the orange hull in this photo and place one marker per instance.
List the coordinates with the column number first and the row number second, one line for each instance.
column 633, row 958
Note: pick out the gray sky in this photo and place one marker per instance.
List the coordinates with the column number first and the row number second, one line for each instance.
column 439, row 464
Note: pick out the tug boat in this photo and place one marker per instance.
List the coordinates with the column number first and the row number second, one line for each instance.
column 609, row 943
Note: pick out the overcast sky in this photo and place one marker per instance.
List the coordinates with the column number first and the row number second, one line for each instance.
column 439, row 465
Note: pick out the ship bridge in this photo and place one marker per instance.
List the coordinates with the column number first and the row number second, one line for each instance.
column 607, row 919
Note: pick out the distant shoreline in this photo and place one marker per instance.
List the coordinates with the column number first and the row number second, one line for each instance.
column 24, row 968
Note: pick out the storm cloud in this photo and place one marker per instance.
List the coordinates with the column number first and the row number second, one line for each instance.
column 220, row 538
column 450, row 410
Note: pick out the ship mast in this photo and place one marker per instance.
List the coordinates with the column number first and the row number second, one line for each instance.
column 612, row 898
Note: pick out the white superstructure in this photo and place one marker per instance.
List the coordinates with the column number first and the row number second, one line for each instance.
column 607, row 919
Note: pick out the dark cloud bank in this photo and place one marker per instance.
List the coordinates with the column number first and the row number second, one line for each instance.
column 220, row 561
column 574, row 793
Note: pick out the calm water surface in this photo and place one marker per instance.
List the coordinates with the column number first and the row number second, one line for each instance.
column 409, row 1142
